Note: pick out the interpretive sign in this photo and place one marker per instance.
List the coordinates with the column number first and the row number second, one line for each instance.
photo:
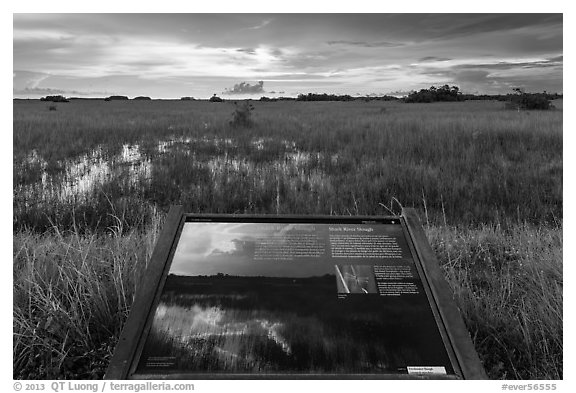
column 294, row 297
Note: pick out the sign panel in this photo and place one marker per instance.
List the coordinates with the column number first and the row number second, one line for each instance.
column 278, row 297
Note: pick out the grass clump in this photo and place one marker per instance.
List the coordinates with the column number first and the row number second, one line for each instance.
column 528, row 101
column 72, row 294
column 242, row 115
column 508, row 286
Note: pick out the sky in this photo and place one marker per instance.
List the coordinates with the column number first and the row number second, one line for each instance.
column 230, row 248
column 254, row 55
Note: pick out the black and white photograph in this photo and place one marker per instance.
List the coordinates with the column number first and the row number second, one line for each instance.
column 222, row 310
column 355, row 279
column 287, row 195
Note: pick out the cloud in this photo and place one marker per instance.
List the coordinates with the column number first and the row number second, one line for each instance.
column 506, row 65
column 433, row 58
column 234, row 247
column 471, row 76
column 188, row 54
column 399, row 93
column 261, row 25
column 250, row 51
column 53, row 91
column 449, row 25
column 246, row 88
column 28, row 79
column 366, row 44
column 38, row 91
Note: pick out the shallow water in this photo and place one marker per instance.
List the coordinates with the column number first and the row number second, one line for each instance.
column 80, row 178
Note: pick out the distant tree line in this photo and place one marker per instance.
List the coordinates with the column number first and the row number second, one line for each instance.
column 323, row 97
column 60, row 98
column 274, row 99
column 447, row 93
column 509, row 96
column 344, row 97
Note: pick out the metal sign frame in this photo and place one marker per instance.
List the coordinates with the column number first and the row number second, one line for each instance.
column 455, row 336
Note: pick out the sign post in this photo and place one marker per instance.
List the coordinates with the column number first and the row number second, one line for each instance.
column 278, row 297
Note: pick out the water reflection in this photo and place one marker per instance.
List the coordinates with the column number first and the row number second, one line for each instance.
column 187, row 325
column 76, row 180
column 79, row 177
column 238, row 324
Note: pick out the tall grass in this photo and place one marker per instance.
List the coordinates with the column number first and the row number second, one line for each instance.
column 508, row 286
column 72, row 294
column 487, row 182
column 475, row 162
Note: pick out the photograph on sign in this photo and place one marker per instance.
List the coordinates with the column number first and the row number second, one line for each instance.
column 293, row 298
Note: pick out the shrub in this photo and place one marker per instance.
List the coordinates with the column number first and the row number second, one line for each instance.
column 242, row 115
column 54, row 99
column 323, row 97
column 435, row 94
column 116, row 98
column 215, row 98
column 52, row 108
column 528, row 101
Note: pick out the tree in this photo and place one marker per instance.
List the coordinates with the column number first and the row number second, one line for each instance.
column 54, row 99
column 436, row 94
column 215, row 98
column 528, row 101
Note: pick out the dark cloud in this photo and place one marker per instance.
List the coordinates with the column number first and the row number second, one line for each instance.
column 380, row 44
column 250, row 51
column 311, row 60
column 485, row 79
column 214, row 27
column 168, row 53
column 504, row 65
column 474, row 76
column 551, row 83
column 433, row 58
column 246, row 88
column 450, row 25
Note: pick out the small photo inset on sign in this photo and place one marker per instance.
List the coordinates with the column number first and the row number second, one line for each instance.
column 355, row 279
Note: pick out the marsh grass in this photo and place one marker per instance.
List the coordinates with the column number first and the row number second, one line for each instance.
column 72, row 294
column 487, row 183
column 475, row 162
column 508, row 285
